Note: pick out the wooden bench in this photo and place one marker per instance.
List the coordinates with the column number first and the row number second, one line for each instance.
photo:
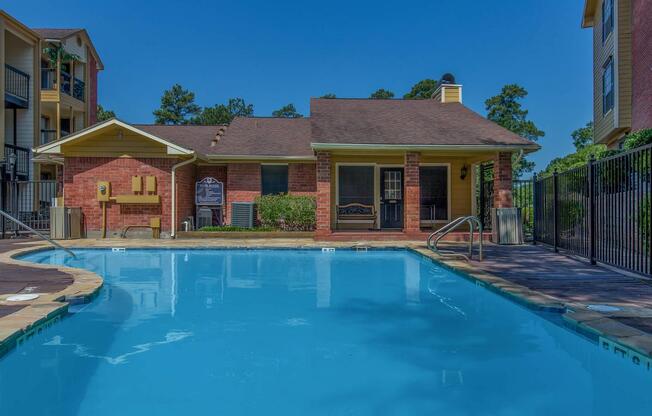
column 356, row 214
column 154, row 225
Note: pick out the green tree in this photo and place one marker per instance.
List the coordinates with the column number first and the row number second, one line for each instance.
column 224, row 113
column 287, row 111
column 583, row 136
column 177, row 106
column 329, row 95
column 637, row 139
column 576, row 159
column 422, row 90
column 381, row 94
column 506, row 110
column 103, row 115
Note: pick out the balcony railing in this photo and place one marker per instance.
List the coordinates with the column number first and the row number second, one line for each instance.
column 48, row 136
column 65, row 83
column 48, row 77
column 20, row 159
column 17, row 85
column 72, row 86
column 78, row 89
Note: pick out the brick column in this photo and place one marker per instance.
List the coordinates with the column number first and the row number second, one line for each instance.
column 323, row 194
column 411, row 199
column 503, row 180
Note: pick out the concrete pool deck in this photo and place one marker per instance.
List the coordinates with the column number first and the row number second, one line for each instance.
column 530, row 275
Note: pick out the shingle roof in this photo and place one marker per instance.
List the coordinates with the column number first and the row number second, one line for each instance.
column 265, row 136
column 197, row 138
column 49, row 33
column 404, row 122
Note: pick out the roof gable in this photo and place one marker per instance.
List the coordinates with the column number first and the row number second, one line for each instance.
column 96, row 130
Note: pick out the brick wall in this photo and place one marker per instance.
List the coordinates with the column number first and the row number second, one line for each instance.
column 92, row 85
column 641, row 64
column 503, row 180
column 242, row 184
column 323, row 194
column 412, row 192
column 185, row 202
column 302, row 178
column 80, row 178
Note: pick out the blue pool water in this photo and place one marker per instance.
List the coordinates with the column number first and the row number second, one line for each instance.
column 289, row 332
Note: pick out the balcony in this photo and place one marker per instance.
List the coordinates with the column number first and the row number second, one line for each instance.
column 16, row 88
column 68, row 84
column 20, row 160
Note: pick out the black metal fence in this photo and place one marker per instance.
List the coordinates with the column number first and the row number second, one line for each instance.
column 600, row 211
column 28, row 201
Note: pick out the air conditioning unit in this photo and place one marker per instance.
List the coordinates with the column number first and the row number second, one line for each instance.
column 65, row 223
column 243, row 214
column 204, row 217
column 507, row 225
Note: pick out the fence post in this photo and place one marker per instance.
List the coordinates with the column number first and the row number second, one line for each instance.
column 3, row 203
column 555, row 211
column 534, row 209
column 591, row 175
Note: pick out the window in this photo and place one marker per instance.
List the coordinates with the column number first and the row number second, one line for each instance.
column 608, row 86
column 274, row 179
column 356, row 185
column 607, row 18
column 433, row 187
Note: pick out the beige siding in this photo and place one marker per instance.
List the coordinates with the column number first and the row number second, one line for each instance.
column 618, row 45
column 71, row 46
column 109, row 145
column 603, row 123
column 21, row 56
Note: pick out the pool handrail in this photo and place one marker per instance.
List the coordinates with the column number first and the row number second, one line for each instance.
column 443, row 231
column 43, row 236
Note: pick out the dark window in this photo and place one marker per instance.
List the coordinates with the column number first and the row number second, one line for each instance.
column 608, row 86
column 356, row 185
column 274, row 179
column 607, row 18
column 433, row 187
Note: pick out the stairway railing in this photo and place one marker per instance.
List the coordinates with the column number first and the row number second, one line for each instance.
column 435, row 237
column 44, row 237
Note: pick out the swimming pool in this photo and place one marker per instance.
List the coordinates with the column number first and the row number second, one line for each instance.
column 304, row 332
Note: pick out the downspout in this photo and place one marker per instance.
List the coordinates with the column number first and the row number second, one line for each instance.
column 173, row 224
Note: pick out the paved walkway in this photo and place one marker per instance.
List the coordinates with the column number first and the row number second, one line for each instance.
column 25, row 279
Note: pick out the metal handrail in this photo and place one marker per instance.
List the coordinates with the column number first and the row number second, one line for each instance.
column 44, row 237
column 443, row 231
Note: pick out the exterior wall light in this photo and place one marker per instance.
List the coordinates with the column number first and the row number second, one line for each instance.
column 464, row 171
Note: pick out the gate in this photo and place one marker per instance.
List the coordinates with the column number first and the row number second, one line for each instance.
column 29, row 202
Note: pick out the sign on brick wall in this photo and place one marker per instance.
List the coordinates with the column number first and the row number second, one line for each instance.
column 209, row 192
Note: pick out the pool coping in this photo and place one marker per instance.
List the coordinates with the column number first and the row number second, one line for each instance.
column 48, row 307
column 607, row 332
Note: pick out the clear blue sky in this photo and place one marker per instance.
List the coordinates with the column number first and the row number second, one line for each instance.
column 276, row 52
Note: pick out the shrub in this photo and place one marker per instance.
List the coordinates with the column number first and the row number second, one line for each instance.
column 638, row 138
column 287, row 212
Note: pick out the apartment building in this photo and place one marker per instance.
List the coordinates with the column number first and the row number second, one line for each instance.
column 622, row 67
column 49, row 80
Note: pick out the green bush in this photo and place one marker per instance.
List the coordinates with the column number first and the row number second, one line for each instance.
column 287, row 212
column 235, row 228
column 638, row 138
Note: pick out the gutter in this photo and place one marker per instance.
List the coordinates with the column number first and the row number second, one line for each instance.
column 173, row 224
column 423, row 147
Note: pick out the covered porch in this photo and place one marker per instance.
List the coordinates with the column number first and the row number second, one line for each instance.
column 402, row 194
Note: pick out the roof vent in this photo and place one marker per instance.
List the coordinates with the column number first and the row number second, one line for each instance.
column 220, row 132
